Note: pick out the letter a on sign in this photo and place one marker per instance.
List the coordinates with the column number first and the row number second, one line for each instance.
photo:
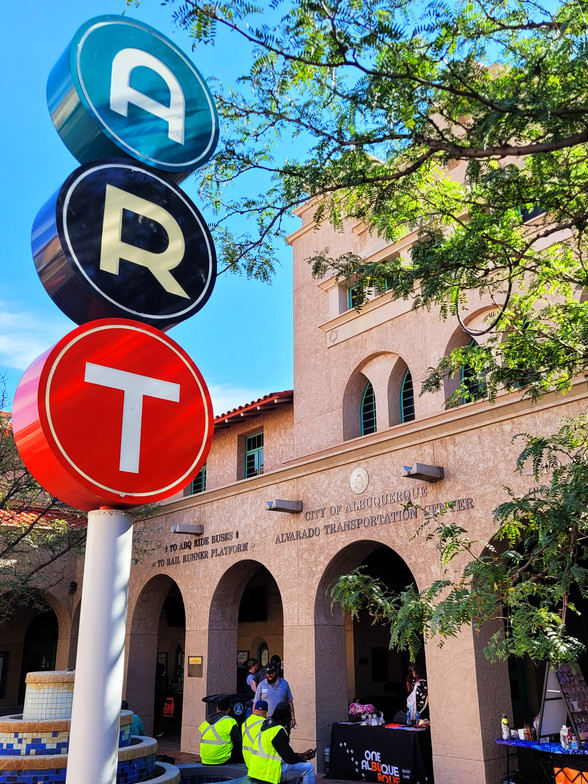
column 114, row 414
column 122, row 94
column 124, row 90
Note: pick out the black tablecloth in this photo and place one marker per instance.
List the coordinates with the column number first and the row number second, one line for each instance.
column 381, row 754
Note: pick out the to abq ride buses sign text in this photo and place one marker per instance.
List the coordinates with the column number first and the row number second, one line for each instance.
column 116, row 413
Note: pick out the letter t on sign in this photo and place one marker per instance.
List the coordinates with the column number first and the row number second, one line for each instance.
column 134, row 387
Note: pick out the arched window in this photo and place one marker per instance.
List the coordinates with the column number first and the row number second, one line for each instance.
column 473, row 383
column 407, row 398
column 368, row 410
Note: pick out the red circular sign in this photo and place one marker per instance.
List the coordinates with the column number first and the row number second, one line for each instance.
column 114, row 414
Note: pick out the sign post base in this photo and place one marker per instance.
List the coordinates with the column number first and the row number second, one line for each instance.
column 94, row 735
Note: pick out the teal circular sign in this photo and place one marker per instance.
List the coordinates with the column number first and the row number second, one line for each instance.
column 122, row 88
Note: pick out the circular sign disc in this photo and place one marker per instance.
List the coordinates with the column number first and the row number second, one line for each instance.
column 123, row 89
column 120, row 241
column 114, row 414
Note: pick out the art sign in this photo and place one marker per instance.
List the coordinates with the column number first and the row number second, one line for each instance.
column 116, row 413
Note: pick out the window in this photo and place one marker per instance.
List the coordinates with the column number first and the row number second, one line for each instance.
column 474, row 384
column 407, row 398
column 254, row 455
column 368, row 410
column 198, row 484
column 352, row 297
column 528, row 214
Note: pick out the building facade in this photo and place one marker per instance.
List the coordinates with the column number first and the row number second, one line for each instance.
column 253, row 577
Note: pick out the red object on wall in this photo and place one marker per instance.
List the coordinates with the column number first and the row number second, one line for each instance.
column 115, row 414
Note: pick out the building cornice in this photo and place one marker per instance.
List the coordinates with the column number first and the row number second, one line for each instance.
column 471, row 416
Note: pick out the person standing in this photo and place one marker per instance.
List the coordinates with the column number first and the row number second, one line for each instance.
column 251, row 727
column 253, row 669
column 260, row 674
column 272, row 759
column 418, row 692
column 274, row 690
column 220, row 737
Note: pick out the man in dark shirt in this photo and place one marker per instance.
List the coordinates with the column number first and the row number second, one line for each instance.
column 221, row 737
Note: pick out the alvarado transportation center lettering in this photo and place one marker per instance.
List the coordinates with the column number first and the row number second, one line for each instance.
column 200, row 549
column 361, row 523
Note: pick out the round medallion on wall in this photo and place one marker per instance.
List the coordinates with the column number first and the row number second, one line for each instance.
column 359, row 479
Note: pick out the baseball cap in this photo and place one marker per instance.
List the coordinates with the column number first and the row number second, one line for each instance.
column 261, row 705
column 271, row 668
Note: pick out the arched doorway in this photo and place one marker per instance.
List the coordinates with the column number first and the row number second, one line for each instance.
column 40, row 646
column 260, row 631
column 377, row 674
column 155, row 677
column 353, row 656
column 246, row 617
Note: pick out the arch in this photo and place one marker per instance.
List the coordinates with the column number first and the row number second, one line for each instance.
column 335, row 638
column 396, row 389
column 477, row 322
column 352, row 398
column 225, row 629
column 143, row 644
column 26, row 654
column 374, row 371
column 39, row 646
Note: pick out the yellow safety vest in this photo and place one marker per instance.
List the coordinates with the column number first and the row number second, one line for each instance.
column 264, row 762
column 250, row 729
column 215, row 743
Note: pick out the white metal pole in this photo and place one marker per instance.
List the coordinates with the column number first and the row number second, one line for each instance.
column 93, row 745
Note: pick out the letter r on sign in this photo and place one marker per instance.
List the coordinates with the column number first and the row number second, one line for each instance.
column 134, row 387
column 113, row 249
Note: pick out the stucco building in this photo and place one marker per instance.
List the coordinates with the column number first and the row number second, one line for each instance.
column 255, row 580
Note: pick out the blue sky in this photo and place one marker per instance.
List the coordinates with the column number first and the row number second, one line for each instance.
column 241, row 340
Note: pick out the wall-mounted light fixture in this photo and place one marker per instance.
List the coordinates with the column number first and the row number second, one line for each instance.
column 427, row 473
column 280, row 505
column 187, row 528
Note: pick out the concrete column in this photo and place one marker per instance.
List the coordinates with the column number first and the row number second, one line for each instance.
column 195, row 689
column 93, row 749
column 467, row 698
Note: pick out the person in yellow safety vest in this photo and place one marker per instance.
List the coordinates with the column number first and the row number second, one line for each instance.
column 251, row 727
column 220, row 737
column 272, row 759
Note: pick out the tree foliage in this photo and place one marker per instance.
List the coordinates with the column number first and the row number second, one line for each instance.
column 36, row 531
column 465, row 124
column 368, row 106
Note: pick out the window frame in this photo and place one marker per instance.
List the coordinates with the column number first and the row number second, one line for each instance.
column 403, row 405
column 363, row 414
column 255, row 452
column 195, row 481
